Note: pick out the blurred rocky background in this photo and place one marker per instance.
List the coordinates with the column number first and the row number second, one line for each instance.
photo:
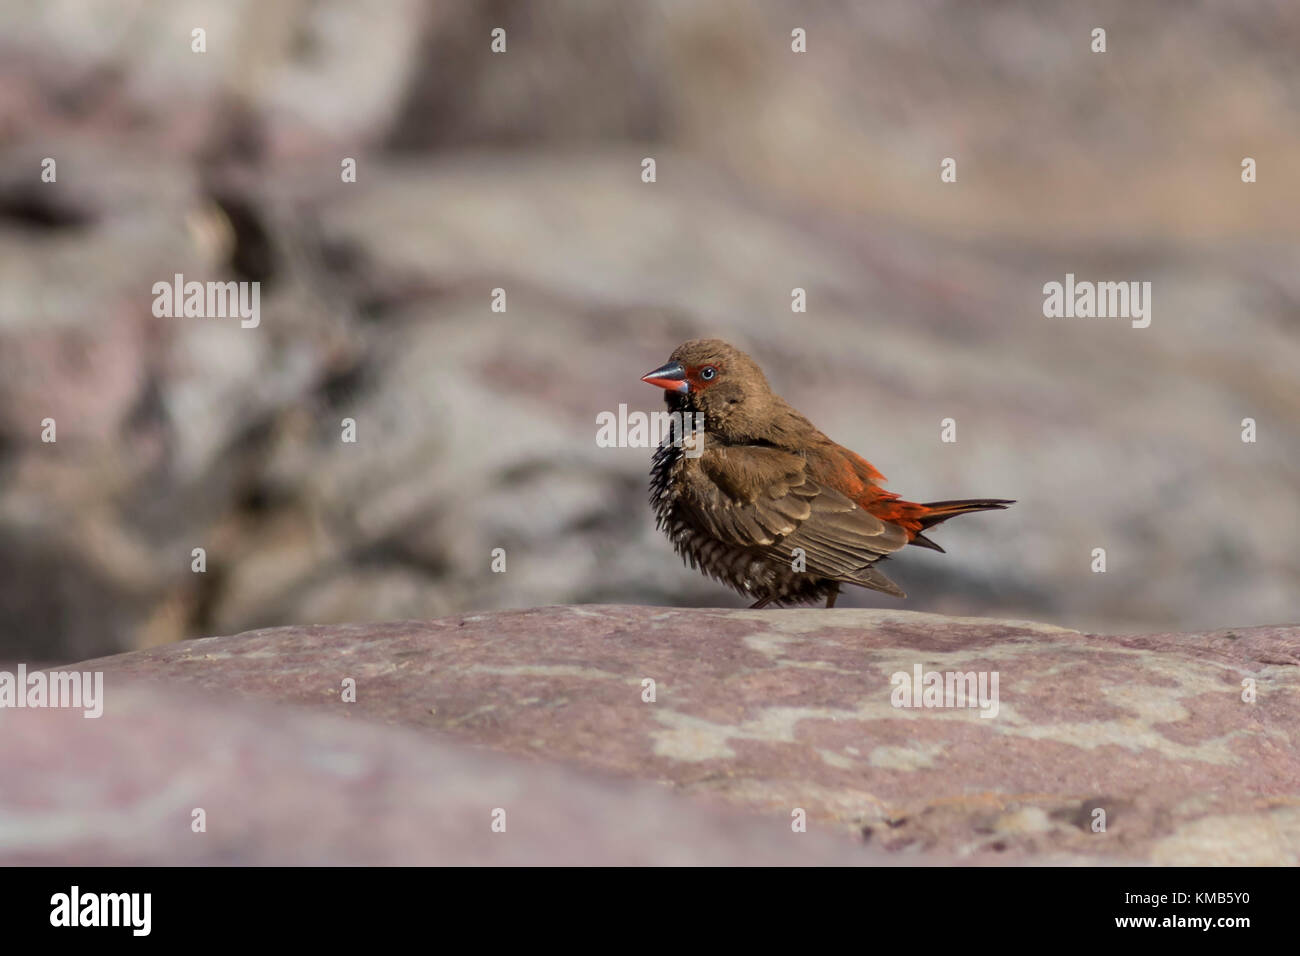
column 521, row 171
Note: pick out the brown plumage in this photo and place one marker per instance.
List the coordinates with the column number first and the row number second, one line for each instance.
column 767, row 483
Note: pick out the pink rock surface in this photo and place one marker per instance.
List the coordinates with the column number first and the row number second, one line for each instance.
column 283, row 788
column 766, row 711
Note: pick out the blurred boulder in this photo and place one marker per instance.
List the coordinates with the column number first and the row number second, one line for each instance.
column 521, row 171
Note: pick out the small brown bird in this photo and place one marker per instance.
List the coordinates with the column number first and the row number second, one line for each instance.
column 770, row 506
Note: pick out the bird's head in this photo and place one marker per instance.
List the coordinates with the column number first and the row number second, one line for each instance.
column 721, row 382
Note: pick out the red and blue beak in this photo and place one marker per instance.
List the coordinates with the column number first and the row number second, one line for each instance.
column 671, row 377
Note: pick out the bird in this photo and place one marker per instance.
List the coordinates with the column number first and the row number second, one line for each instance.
column 751, row 493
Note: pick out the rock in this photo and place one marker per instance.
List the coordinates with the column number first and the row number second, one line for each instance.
column 766, row 711
column 280, row 788
column 141, row 73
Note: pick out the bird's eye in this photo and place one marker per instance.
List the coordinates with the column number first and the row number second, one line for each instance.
column 708, row 372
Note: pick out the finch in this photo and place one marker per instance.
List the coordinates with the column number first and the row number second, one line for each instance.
column 769, row 505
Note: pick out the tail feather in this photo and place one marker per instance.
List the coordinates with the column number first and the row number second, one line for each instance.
column 922, row 541
column 940, row 511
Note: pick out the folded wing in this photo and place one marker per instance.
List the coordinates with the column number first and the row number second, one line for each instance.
column 763, row 498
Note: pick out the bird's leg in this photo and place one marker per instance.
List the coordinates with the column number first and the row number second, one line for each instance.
column 830, row 598
column 761, row 602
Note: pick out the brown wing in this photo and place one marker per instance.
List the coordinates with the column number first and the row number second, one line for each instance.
column 763, row 498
